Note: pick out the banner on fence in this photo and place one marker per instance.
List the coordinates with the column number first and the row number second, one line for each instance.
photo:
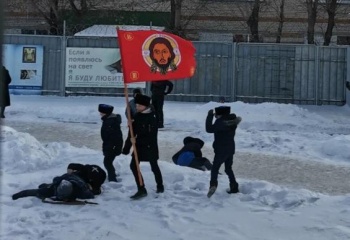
column 25, row 65
column 95, row 67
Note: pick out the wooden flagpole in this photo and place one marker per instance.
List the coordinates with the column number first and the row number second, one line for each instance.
column 132, row 136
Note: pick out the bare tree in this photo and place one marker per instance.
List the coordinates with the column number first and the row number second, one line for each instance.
column 311, row 6
column 79, row 8
column 175, row 16
column 280, row 21
column 253, row 21
column 49, row 10
column 52, row 11
column 192, row 12
column 83, row 13
column 14, row 5
column 331, row 8
column 182, row 13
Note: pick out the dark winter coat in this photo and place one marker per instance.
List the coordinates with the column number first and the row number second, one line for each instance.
column 80, row 187
column 192, row 145
column 161, row 87
column 4, row 88
column 146, row 134
column 224, row 129
column 111, row 135
column 91, row 174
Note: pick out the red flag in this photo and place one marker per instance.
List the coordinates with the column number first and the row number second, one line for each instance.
column 153, row 55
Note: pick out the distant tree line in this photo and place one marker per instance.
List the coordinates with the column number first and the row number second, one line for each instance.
column 170, row 13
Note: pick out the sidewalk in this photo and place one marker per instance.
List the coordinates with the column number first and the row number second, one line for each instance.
column 314, row 176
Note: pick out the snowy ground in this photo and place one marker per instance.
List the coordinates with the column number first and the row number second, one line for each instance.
column 292, row 163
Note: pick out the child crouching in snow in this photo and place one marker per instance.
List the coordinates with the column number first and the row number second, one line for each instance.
column 92, row 174
column 190, row 155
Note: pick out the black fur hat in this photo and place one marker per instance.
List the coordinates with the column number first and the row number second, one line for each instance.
column 223, row 110
column 188, row 140
column 142, row 100
column 137, row 91
column 105, row 108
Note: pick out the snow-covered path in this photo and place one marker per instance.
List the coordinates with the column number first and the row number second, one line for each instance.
column 283, row 152
column 281, row 170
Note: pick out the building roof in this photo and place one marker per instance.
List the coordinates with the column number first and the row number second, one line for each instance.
column 110, row 30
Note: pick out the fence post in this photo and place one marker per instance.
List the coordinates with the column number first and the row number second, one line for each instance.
column 2, row 18
column 317, row 65
column 233, row 87
column 63, row 61
column 347, row 96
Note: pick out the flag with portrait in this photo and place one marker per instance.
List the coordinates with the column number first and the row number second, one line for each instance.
column 150, row 55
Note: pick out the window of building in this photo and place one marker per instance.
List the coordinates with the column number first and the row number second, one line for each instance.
column 343, row 40
column 41, row 32
column 34, row 32
column 339, row 1
column 231, row 1
column 27, row 31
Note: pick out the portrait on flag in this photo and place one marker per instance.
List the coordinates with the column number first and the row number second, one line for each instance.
column 149, row 55
column 161, row 53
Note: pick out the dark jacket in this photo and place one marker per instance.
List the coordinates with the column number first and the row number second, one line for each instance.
column 91, row 174
column 190, row 145
column 4, row 88
column 80, row 188
column 146, row 134
column 161, row 87
column 224, row 129
column 111, row 134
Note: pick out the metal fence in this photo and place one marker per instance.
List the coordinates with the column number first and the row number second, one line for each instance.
column 300, row 74
column 254, row 73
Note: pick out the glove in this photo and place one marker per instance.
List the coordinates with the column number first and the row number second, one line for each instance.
column 125, row 151
column 211, row 112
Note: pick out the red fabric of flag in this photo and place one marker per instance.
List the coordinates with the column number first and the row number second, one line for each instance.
column 153, row 55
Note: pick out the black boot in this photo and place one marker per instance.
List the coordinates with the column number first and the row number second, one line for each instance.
column 160, row 188
column 212, row 188
column 2, row 112
column 142, row 192
column 233, row 188
column 45, row 185
column 25, row 193
column 112, row 179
